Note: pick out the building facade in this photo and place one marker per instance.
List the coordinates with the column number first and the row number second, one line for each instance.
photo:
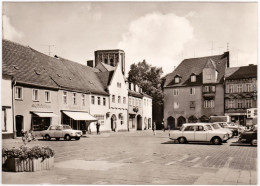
column 240, row 93
column 194, row 91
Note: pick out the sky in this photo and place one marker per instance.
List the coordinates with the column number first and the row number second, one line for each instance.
column 162, row 33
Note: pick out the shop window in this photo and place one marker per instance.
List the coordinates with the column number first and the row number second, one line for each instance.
column 19, row 93
column 65, row 97
column 40, row 123
column 47, row 96
column 35, row 94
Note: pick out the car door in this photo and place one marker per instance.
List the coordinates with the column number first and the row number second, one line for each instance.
column 200, row 133
column 58, row 132
column 188, row 133
column 51, row 131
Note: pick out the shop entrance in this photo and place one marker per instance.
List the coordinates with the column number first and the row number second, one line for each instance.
column 139, row 122
column 40, row 123
column 19, row 125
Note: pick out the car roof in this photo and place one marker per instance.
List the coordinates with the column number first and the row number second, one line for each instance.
column 186, row 124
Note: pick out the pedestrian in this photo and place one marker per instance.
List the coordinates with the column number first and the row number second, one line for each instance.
column 98, row 125
column 163, row 127
column 154, row 127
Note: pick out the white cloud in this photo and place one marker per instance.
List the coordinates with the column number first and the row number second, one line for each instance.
column 9, row 31
column 158, row 38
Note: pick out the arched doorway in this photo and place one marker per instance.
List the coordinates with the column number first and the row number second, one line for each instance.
column 113, row 123
column 180, row 121
column 139, row 122
column 204, row 118
column 19, row 125
column 171, row 122
column 149, row 123
column 192, row 119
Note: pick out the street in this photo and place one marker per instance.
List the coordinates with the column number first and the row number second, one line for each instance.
column 141, row 158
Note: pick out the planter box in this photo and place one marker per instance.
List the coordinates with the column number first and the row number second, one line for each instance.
column 28, row 165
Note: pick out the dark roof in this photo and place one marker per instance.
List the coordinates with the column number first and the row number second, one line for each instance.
column 195, row 65
column 241, row 72
column 134, row 94
column 32, row 67
column 105, row 77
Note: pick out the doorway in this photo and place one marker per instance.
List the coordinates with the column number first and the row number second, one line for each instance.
column 139, row 122
column 19, row 125
column 113, row 122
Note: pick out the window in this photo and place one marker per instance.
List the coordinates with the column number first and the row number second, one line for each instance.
column 4, row 118
column 74, row 98
column 231, row 103
column 177, row 80
column 93, row 100
column 130, row 101
column 104, row 101
column 192, row 104
column 189, row 128
column 209, row 76
column 248, row 103
column 212, row 89
column 230, row 88
column 175, row 92
column 83, row 99
column 239, row 103
column 19, row 93
column 199, row 128
column 193, row 78
column 47, row 96
column 176, row 105
column 140, row 103
column 98, row 101
column 64, row 97
column 192, row 91
column 239, row 88
column 209, row 103
column 113, row 98
column 206, row 89
column 248, row 87
column 119, row 99
column 118, row 85
column 35, row 95
column 124, row 100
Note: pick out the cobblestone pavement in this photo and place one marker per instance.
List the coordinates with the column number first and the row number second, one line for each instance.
column 142, row 158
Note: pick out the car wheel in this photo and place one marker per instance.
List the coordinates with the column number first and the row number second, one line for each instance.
column 182, row 140
column 57, row 139
column 77, row 138
column 254, row 142
column 47, row 137
column 216, row 141
column 67, row 137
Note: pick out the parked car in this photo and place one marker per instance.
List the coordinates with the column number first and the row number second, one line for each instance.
column 249, row 136
column 199, row 132
column 236, row 129
column 61, row 131
column 217, row 126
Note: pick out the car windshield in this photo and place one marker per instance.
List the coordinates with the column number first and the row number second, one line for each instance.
column 181, row 128
column 216, row 126
column 66, row 127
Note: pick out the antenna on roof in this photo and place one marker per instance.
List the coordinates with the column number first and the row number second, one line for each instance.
column 49, row 52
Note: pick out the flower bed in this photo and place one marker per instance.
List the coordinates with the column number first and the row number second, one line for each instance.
column 27, row 158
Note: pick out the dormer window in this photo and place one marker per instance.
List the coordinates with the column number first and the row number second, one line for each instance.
column 193, row 78
column 177, row 79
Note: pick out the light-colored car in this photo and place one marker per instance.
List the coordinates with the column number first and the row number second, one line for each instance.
column 217, row 126
column 61, row 131
column 236, row 129
column 199, row 132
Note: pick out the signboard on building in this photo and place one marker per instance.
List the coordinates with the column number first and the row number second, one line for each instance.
column 251, row 113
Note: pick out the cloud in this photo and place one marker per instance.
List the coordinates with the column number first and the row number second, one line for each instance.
column 9, row 30
column 157, row 38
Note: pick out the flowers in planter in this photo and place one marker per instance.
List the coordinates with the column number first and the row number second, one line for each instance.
column 25, row 152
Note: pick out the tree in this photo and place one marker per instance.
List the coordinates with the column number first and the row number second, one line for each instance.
column 149, row 79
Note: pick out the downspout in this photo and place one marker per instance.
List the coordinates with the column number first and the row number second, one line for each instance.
column 13, row 109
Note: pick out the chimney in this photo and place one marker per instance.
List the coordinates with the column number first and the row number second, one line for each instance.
column 90, row 63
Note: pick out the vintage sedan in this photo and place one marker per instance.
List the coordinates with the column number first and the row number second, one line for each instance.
column 199, row 132
column 249, row 136
column 61, row 131
column 217, row 126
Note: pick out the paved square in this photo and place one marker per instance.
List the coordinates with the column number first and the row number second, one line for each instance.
column 141, row 158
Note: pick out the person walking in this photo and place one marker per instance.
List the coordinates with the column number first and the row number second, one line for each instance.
column 163, row 127
column 154, row 127
column 98, row 125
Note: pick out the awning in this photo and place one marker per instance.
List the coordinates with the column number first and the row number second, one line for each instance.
column 80, row 116
column 45, row 114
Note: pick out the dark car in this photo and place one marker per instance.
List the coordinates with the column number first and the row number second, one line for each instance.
column 249, row 136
